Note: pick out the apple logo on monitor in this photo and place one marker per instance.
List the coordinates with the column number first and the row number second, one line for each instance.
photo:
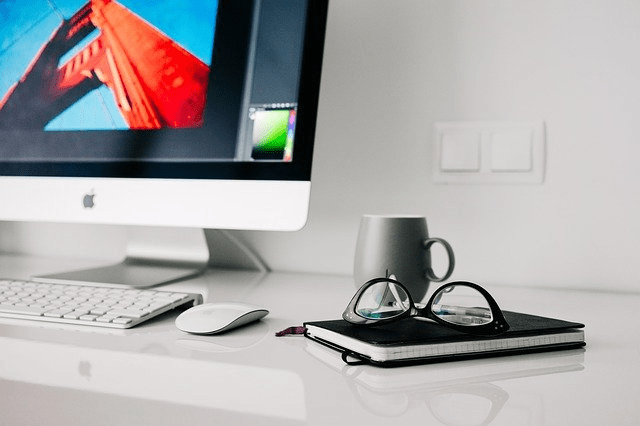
column 88, row 200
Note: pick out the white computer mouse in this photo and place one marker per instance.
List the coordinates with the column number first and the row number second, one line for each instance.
column 213, row 318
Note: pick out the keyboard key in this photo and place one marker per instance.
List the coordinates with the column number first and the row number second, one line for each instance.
column 88, row 317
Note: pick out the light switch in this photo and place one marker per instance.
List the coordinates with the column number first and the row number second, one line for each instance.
column 460, row 151
column 489, row 152
column 511, row 150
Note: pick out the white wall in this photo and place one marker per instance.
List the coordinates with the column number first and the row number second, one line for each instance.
column 393, row 68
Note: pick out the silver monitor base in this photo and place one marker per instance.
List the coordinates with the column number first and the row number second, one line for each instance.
column 130, row 273
column 156, row 256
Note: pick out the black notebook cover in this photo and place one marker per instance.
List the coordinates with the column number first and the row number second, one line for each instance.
column 412, row 333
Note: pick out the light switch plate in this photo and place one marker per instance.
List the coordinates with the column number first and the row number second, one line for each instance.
column 489, row 152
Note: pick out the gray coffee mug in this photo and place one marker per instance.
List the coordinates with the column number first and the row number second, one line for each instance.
column 399, row 246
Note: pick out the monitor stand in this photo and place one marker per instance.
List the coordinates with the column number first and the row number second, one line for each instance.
column 156, row 256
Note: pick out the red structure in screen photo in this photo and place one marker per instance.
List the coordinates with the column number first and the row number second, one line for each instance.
column 155, row 83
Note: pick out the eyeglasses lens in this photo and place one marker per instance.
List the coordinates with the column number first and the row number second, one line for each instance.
column 462, row 305
column 382, row 300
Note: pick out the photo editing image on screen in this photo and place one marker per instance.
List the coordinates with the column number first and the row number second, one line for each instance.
column 106, row 81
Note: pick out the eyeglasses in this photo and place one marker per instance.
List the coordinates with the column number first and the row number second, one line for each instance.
column 461, row 305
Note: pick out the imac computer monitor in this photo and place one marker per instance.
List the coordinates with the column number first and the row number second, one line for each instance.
column 188, row 115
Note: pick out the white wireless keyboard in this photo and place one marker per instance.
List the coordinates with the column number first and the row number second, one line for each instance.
column 87, row 305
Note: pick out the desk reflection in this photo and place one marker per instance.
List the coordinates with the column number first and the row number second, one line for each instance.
column 148, row 381
column 455, row 393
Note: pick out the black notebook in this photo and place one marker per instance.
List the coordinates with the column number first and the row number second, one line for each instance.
column 412, row 340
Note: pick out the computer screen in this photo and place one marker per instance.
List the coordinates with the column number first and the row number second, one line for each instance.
column 184, row 114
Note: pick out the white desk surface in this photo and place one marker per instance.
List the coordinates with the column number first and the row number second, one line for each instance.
column 157, row 375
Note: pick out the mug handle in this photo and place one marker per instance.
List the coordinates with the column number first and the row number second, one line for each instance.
column 429, row 272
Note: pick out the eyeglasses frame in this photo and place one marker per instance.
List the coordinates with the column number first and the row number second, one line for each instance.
column 497, row 325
